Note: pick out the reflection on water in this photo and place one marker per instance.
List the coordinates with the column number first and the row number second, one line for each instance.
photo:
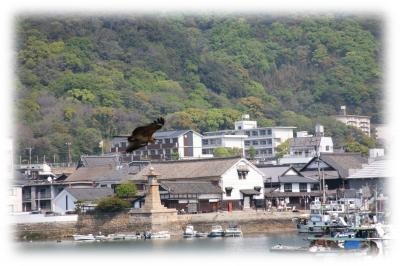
column 249, row 244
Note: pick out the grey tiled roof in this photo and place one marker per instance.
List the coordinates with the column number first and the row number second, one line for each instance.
column 341, row 162
column 90, row 194
column 376, row 169
column 296, row 179
column 99, row 173
column 273, row 172
column 187, row 169
column 305, row 142
column 196, row 187
column 89, row 160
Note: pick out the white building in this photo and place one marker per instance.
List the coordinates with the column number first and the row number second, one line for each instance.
column 305, row 145
column 359, row 121
column 263, row 139
column 66, row 200
column 222, row 139
column 241, row 182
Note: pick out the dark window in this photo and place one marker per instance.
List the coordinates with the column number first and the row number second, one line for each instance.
column 166, row 141
column 228, row 191
column 263, row 142
column 255, row 142
column 205, row 141
column 269, row 131
column 269, row 141
column 174, row 140
column 123, row 144
column 327, row 148
column 303, row 187
column 66, row 202
column 242, row 174
column 262, row 132
column 247, row 143
column 287, row 187
column 247, row 133
column 254, row 133
column 315, row 187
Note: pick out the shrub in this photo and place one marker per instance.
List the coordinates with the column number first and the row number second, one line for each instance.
column 112, row 204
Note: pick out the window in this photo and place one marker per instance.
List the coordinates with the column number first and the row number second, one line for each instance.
column 153, row 152
column 327, row 148
column 262, row 132
column 247, row 143
column 242, row 173
column 174, row 140
column 205, row 141
column 166, row 141
column 228, row 191
column 315, row 187
column 269, row 141
column 66, row 202
column 269, row 131
column 255, row 142
column 103, row 185
column 123, row 144
column 287, row 187
column 247, row 133
column 263, row 142
column 254, row 133
column 212, row 141
column 263, row 151
column 303, row 187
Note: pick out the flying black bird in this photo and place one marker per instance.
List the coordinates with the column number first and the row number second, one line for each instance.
column 141, row 136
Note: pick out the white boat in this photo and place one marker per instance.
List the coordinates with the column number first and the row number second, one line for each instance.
column 161, row 234
column 216, row 231
column 201, row 234
column 123, row 236
column 189, row 231
column 281, row 247
column 101, row 238
column 88, row 237
column 233, row 231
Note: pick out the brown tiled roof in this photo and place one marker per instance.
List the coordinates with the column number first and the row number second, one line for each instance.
column 187, row 169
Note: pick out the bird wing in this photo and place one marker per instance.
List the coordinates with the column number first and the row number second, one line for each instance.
column 134, row 145
column 144, row 132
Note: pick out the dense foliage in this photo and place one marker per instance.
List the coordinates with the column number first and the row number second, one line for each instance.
column 126, row 190
column 82, row 80
column 112, row 204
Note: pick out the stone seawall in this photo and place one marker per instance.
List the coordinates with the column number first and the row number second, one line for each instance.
column 249, row 222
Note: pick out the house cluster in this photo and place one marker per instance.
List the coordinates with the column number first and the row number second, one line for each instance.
column 201, row 185
column 192, row 180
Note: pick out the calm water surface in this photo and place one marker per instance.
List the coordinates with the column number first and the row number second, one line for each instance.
column 249, row 244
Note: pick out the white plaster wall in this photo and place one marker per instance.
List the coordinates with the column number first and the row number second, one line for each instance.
column 15, row 198
column 180, row 145
column 232, row 142
column 197, row 145
column 326, row 141
column 231, row 179
column 59, row 202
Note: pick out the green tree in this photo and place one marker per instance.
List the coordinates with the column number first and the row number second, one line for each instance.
column 282, row 149
column 227, row 151
column 126, row 190
column 175, row 155
column 252, row 153
column 112, row 204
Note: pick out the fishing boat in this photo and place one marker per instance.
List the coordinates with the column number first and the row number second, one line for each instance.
column 216, row 231
column 233, row 231
column 88, row 237
column 161, row 234
column 189, row 232
column 201, row 234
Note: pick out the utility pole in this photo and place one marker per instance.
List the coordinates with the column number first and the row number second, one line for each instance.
column 69, row 152
column 30, row 155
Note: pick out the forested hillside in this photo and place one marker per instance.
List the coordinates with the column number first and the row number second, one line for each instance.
column 82, row 80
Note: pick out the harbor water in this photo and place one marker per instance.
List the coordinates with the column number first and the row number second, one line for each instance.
column 257, row 243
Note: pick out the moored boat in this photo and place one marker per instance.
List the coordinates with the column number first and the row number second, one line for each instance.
column 216, row 231
column 233, row 231
column 161, row 234
column 88, row 237
column 189, row 231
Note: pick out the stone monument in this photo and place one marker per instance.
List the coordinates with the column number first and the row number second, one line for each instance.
column 153, row 215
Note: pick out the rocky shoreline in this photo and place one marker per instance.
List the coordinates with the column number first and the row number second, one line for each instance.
column 250, row 222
